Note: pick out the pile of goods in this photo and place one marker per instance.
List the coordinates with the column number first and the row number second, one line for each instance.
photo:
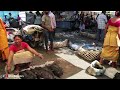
column 30, row 29
column 89, row 35
column 112, row 73
column 60, row 44
column 33, row 35
column 84, row 33
column 73, row 46
column 49, row 70
column 11, row 32
column 52, row 71
column 89, row 52
column 95, row 69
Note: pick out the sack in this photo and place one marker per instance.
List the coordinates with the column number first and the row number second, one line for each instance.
column 95, row 69
column 93, row 36
column 22, row 57
column 88, row 55
column 110, row 72
column 74, row 46
column 60, row 44
column 30, row 29
column 83, row 33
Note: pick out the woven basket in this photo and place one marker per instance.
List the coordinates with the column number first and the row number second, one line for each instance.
column 88, row 55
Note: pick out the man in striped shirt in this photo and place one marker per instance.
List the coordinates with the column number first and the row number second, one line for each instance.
column 101, row 21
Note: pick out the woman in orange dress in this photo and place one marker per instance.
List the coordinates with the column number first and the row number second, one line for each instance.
column 4, row 49
column 110, row 46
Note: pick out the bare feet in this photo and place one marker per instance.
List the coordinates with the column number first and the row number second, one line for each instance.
column 114, row 64
column 17, row 69
column 101, row 61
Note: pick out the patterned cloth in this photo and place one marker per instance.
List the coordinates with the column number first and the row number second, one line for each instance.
column 3, row 41
column 101, row 20
column 110, row 45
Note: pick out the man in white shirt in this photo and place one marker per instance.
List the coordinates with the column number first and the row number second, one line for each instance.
column 48, row 32
column 101, row 21
column 53, row 21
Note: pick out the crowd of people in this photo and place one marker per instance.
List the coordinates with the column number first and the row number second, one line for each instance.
column 96, row 23
column 10, row 21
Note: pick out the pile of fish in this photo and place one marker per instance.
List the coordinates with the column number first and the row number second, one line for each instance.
column 89, row 35
column 49, row 70
column 66, row 34
column 52, row 71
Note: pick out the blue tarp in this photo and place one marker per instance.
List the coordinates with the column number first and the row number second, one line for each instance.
column 3, row 13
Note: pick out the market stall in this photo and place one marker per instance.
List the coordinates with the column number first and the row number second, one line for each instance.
column 65, row 20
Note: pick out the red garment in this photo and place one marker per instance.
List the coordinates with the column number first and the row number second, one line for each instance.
column 116, row 24
column 14, row 48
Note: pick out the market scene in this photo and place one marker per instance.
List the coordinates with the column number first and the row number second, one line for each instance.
column 59, row 45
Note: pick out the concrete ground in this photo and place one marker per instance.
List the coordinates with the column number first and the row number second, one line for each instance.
column 79, row 62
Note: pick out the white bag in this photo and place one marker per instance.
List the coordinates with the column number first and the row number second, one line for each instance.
column 30, row 29
column 60, row 44
column 92, row 70
column 110, row 72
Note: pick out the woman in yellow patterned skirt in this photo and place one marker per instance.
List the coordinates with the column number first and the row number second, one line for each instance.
column 110, row 46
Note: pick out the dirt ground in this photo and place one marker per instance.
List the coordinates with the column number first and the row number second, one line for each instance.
column 67, row 67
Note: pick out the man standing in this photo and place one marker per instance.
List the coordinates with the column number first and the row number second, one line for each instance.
column 20, row 22
column 38, row 19
column 101, row 21
column 53, row 21
column 48, row 32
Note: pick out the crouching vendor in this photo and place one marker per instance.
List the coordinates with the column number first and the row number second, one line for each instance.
column 20, row 53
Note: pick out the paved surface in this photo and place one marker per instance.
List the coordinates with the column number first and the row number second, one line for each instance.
column 76, row 61
column 69, row 56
